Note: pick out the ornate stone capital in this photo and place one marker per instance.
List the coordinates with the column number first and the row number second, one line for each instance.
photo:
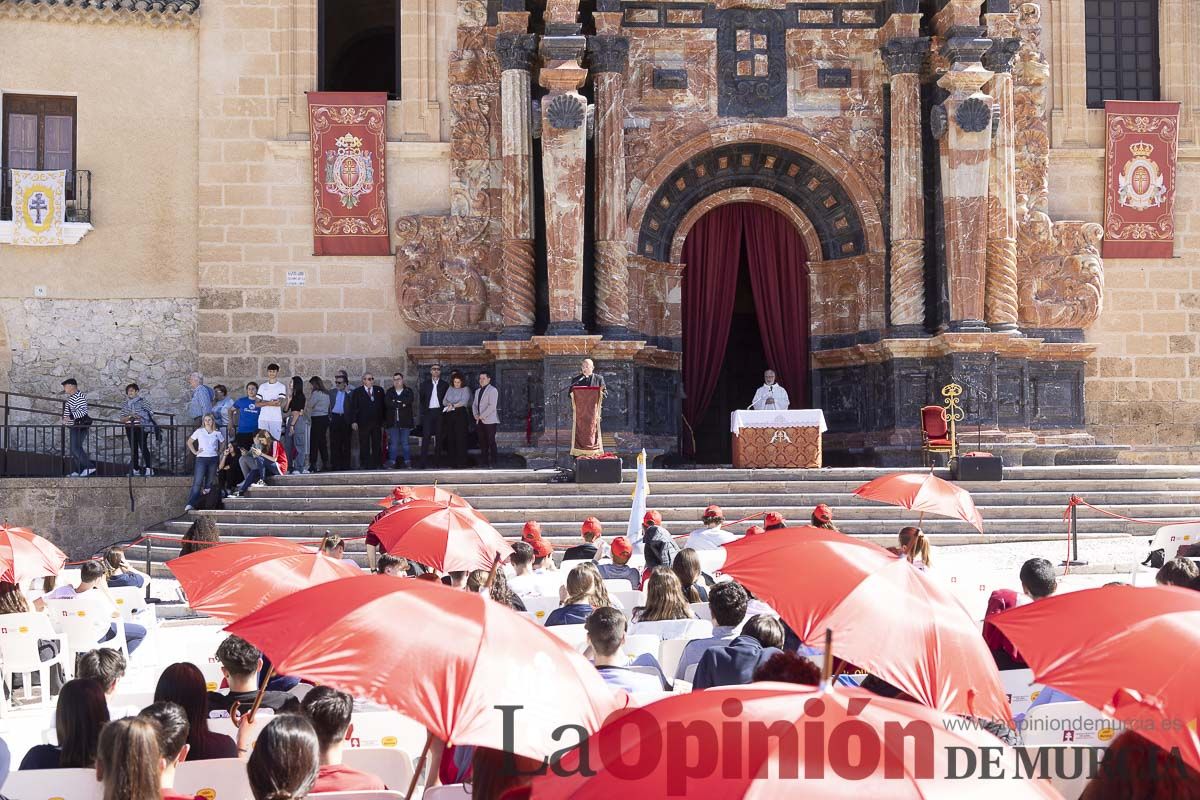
column 516, row 50
column 608, row 53
column 905, row 55
column 999, row 57
column 965, row 44
column 563, row 48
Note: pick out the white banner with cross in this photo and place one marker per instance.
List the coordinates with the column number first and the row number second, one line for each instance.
column 39, row 202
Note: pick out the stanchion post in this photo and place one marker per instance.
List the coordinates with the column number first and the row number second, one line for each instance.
column 149, row 543
column 1074, row 560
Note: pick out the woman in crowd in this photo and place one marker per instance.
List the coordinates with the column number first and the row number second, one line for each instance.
column 914, row 546
column 664, row 598
column 285, row 759
column 686, row 567
column 266, row 458
column 1134, row 766
column 601, row 597
column 1003, row 651
column 318, row 434
column 12, row 601
column 81, row 712
column 456, row 415
column 295, row 427
column 580, row 600
column 202, row 535
column 139, row 424
column 205, row 444
column 118, row 572
column 183, row 683
column 500, row 592
column 128, row 761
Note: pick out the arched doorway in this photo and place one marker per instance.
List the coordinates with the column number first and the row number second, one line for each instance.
column 744, row 309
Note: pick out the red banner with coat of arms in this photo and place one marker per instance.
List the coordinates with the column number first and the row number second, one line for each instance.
column 1141, row 143
column 349, row 142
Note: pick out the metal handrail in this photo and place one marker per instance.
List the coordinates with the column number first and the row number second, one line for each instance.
column 43, row 450
column 6, row 405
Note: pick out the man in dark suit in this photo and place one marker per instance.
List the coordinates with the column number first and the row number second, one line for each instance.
column 339, row 422
column 587, row 376
column 430, row 404
column 366, row 414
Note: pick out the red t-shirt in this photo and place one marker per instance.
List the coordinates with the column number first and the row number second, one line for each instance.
column 340, row 778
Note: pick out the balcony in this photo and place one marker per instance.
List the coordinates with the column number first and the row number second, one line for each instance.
column 77, row 217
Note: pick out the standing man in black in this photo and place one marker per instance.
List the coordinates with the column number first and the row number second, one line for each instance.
column 339, row 423
column 430, row 400
column 366, row 414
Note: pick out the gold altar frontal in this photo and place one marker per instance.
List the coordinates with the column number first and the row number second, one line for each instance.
column 796, row 447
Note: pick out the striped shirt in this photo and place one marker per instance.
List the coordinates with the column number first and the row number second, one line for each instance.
column 75, row 407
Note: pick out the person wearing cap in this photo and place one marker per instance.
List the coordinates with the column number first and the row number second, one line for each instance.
column 658, row 545
column 754, row 530
column 543, row 556
column 711, row 536
column 619, row 569
column 773, row 521
column 822, row 517
column 587, row 551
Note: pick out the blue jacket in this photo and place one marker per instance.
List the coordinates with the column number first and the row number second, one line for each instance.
column 574, row 614
column 732, row 664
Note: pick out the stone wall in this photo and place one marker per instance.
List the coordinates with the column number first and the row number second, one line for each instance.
column 1143, row 385
column 104, row 344
column 82, row 516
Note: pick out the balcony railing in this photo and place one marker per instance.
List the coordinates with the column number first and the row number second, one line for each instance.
column 79, row 195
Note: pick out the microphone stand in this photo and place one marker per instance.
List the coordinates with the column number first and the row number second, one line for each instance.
column 563, row 474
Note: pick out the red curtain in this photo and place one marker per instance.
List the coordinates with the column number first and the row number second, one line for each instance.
column 711, row 256
column 779, row 277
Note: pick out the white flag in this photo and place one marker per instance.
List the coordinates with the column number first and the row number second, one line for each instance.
column 39, row 200
column 640, row 492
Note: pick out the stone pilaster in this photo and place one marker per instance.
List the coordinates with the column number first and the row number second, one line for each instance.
column 609, row 57
column 1000, row 302
column 564, row 154
column 904, row 57
column 963, row 125
column 516, row 52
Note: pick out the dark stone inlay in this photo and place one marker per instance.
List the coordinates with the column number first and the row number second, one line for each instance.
column 670, row 78
column 833, row 78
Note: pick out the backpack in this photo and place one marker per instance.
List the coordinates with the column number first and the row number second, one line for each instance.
column 1156, row 559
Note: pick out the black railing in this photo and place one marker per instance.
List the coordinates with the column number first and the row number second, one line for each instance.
column 79, row 195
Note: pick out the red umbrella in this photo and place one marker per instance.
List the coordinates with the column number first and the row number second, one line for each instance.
column 446, row 658
column 704, row 745
column 924, row 492
column 24, row 555
column 231, row 580
column 434, row 494
column 447, row 538
column 887, row 617
column 1133, row 653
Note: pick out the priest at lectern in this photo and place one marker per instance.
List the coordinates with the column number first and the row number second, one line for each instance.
column 587, row 399
column 770, row 396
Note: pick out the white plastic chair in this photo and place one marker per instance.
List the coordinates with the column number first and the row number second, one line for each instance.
column 702, row 611
column 711, row 560
column 19, row 635
column 566, row 566
column 574, row 635
column 1170, row 537
column 387, row 729
column 638, row 643
column 63, row 784
column 1018, row 685
column 629, row 598
column 455, row 791
column 368, row 795
column 617, row 586
column 131, row 602
column 669, row 653
column 685, row 629
column 225, row 725
column 392, row 765
column 548, row 583
column 216, row 779
column 1074, row 723
column 85, row 622
column 541, row 607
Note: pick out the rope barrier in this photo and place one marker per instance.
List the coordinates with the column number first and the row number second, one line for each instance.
column 180, row 540
column 1079, row 501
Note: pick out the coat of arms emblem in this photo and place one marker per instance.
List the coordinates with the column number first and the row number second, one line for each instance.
column 349, row 172
column 1141, row 185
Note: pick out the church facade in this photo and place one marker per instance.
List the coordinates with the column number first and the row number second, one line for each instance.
column 942, row 163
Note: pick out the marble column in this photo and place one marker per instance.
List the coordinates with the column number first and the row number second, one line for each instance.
column 609, row 57
column 904, row 57
column 516, row 52
column 564, row 158
column 1000, row 303
column 963, row 125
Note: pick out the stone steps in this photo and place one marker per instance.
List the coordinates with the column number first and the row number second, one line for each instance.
column 1027, row 505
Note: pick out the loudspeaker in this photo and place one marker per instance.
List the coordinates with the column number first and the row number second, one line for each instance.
column 598, row 470
column 982, row 467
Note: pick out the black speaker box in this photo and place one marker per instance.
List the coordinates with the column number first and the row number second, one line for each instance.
column 598, row 470
column 977, row 468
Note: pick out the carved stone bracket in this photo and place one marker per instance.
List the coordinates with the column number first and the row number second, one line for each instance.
column 1000, row 56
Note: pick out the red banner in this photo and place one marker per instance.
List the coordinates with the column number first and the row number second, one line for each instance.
column 349, row 143
column 1140, row 148
column 586, row 402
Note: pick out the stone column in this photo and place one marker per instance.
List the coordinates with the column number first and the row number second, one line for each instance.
column 904, row 57
column 1000, row 303
column 516, row 51
column 963, row 124
column 564, row 143
column 609, row 56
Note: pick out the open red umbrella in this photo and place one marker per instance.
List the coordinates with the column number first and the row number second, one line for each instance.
column 1133, row 653
column 24, row 555
column 840, row 743
column 447, row 538
column 448, row 659
column 231, row 580
column 434, row 494
column 924, row 492
column 887, row 617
